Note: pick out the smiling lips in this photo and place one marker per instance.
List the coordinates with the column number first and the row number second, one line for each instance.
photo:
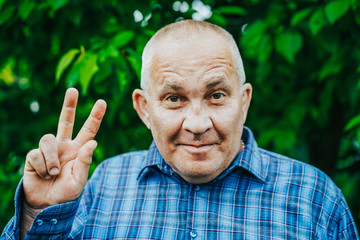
column 197, row 148
column 197, row 145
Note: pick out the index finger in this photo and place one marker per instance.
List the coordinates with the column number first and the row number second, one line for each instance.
column 67, row 115
column 92, row 124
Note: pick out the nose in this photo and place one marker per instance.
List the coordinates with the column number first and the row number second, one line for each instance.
column 197, row 120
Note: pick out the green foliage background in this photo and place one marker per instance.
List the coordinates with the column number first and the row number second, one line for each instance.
column 302, row 58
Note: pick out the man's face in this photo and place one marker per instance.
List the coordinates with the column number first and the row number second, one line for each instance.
column 195, row 106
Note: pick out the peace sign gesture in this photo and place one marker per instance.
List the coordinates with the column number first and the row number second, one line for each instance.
column 57, row 171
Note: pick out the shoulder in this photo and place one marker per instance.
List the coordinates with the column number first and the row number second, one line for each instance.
column 284, row 169
column 315, row 192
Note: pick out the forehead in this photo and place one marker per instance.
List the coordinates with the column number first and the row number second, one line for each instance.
column 191, row 46
column 196, row 54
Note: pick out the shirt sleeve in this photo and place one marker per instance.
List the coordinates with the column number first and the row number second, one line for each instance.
column 54, row 222
column 346, row 228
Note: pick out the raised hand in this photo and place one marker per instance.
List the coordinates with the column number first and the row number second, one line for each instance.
column 57, row 171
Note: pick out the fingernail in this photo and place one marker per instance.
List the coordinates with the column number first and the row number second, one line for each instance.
column 54, row 171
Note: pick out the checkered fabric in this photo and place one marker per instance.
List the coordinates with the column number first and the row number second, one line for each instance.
column 262, row 195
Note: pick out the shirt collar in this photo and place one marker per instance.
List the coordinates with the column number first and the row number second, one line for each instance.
column 249, row 159
column 154, row 160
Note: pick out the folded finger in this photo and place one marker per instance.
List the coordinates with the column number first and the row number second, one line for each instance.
column 92, row 124
column 49, row 148
column 67, row 115
column 35, row 161
column 83, row 161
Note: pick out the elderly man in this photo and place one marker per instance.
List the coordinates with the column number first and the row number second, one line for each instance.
column 203, row 177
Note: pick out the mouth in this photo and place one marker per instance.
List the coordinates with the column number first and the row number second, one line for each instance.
column 197, row 145
column 197, row 148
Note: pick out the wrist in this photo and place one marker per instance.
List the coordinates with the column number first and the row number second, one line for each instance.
column 30, row 211
column 28, row 214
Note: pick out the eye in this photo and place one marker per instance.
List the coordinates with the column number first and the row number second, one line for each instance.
column 173, row 99
column 173, row 102
column 217, row 96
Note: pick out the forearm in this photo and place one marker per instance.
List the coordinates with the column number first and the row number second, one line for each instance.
column 53, row 222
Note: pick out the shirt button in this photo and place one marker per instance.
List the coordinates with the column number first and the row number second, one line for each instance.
column 193, row 234
column 39, row 222
column 197, row 188
column 53, row 221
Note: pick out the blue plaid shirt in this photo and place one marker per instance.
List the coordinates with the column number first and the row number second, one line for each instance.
column 262, row 195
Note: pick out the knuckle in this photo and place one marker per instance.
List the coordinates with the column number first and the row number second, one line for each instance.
column 67, row 123
column 36, row 161
column 33, row 155
column 47, row 138
column 51, row 161
column 90, row 130
column 98, row 116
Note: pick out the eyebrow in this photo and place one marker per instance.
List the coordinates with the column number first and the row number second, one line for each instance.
column 215, row 83
column 174, row 87
column 168, row 87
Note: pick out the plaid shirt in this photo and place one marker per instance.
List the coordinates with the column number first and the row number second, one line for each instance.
column 262, row 195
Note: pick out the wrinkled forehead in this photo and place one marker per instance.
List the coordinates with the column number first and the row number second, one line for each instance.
column 192, row 57
column 203, row 42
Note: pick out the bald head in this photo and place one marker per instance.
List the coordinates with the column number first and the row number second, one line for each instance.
column 182, row 33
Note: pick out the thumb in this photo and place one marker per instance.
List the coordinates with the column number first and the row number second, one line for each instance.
column 82, row 162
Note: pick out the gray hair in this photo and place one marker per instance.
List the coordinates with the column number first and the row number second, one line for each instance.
column 188, row 27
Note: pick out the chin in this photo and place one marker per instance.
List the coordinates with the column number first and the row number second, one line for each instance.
column 198, row 170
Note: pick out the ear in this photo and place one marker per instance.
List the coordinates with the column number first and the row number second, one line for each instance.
column 141, row 106
column 246, row 98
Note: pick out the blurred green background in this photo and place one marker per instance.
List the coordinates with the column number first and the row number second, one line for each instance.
column 302, row 58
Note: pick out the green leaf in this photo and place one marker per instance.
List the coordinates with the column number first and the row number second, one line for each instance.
column 357, row 19
column 336, row 9
column 108, row 52
column 103, row 73
column 218, row 19
column 25, row 9
column 6, row 14
column 251, row 38
column 288, row 44
column 232, row 10
column 56, row 4
column 122, row 79
column 135, row 61
column 82, row 71
column 64, row 62
column 299, row 16
column 265, row 48
column 317, row 21
column 354, row 122
column 76, row 17
column 88, row 67
column 122, row 39
column 7, row 74
column 73, row 76
column 332, row 66
column 1, row 3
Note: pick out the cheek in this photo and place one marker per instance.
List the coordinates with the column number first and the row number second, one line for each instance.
column 165, row 122
column 228, row 124
column 228, row 119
